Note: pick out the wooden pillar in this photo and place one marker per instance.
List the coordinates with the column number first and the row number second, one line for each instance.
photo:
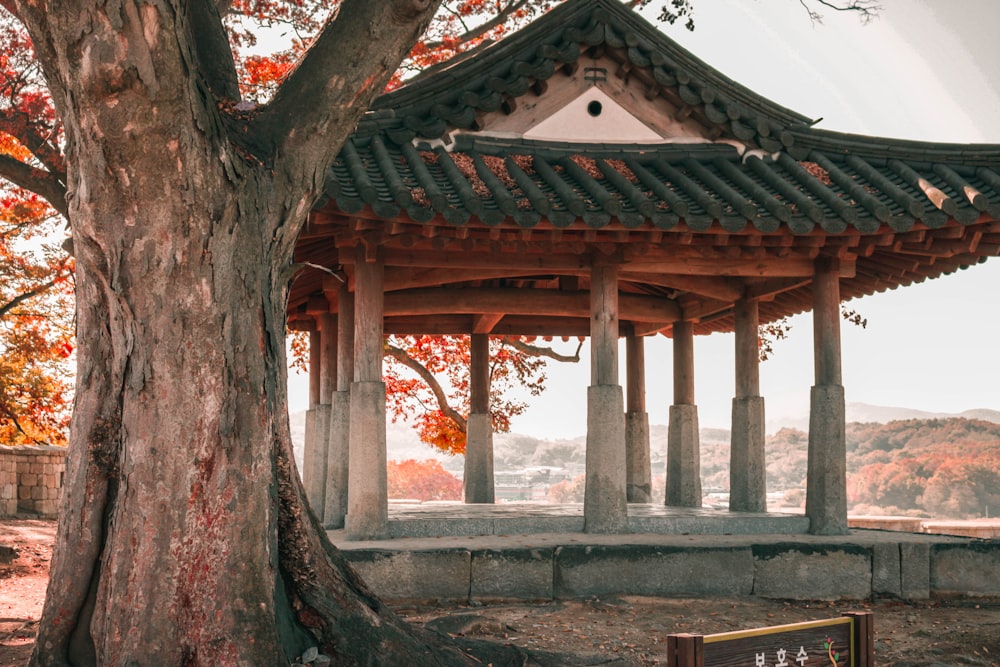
column 340, row 415
column 747, row 472
column 638, row 477
column 683, row 443
column 367, row 492
column 478, row 479
column 826, row 476
column 605, row 508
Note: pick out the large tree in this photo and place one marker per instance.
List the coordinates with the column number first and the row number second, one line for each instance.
column 184, row 537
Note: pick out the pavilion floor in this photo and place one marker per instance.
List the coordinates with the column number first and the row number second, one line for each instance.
column 537, row 551
column 448, row 518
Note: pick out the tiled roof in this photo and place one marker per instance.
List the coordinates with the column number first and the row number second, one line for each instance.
column 454, row 96
column 829, row 188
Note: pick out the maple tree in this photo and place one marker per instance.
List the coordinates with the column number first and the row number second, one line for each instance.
column 435, row 393
column 35, row 276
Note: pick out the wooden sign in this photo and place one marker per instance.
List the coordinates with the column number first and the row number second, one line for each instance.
column 839, row 642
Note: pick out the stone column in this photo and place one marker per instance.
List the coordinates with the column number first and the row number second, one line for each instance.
column 338, row 445
column 747, row 472
column 683, row 443
column 605, row 509
column 478, row 478
column 826, row 477
column 367, row 490
column 316, row 455
column 638, row 477
column 314, row 420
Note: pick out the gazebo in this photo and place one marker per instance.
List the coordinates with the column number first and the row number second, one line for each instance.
column 586, row 176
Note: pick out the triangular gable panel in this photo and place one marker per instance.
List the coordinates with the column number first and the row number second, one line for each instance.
column 592, row 117
column 593, row 105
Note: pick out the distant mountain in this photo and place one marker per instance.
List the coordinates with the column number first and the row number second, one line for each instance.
column 881, row 414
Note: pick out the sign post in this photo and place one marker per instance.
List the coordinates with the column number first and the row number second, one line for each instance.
column 847, row 641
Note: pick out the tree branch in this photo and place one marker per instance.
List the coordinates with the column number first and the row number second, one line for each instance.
column 319, row 104
column 537, row 351
column 19, row 125
column 868, row 9
column 215, row 57
column 36, row 180
column 480, row 30
column 21, row 298
column 402, row 357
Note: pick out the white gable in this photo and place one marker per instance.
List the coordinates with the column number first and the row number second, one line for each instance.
column 593, row 117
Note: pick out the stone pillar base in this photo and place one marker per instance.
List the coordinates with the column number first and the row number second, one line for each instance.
column 638, row 477
column 314, row 458
column 478, row 478
column 826, row 480
column 747, row 472
column 683, row 457
column 337, row 457
column 367, row 489
column 605, row 509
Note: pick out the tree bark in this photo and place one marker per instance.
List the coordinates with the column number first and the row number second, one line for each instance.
column 184, row 536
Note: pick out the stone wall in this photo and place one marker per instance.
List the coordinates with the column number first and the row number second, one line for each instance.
column 31, row 479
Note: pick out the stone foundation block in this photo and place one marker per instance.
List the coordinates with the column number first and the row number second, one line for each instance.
column 523, row 574
column 958, row 569
column 812, row 572
column 915, row 571
column 413, row 575
column 652, row 570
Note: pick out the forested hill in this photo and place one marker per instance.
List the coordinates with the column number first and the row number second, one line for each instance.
column 938, row 467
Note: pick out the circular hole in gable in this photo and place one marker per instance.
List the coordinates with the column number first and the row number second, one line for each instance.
column 595, row 108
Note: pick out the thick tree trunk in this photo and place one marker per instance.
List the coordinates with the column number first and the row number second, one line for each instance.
column 184, row 537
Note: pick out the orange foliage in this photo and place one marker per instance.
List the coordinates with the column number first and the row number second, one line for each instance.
column 447, row 358
column 422, row 480
column 35, row 325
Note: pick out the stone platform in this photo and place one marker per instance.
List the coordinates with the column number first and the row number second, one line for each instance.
column 539, row 552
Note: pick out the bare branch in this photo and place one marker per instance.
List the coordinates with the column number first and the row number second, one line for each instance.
column 500, row 18
column 538, row 351
column 867, row 10
column 451, row 413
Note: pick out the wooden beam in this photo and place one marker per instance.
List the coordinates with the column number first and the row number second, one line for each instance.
column 397, row 278
column 723, row 289
column 538, row 302
column 483, row 324
column 678, row 260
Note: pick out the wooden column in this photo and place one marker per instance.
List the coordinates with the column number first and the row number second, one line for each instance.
column 638, row 477
column 683, row 443
column 826, row 480
column 478, row 479
column 605, row 508
column 340, row 415
column 747, row 473
column 367, row 492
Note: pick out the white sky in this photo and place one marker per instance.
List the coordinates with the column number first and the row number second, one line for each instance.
column 926, row 70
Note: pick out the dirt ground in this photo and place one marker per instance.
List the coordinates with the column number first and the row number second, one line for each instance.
column 626, row 630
